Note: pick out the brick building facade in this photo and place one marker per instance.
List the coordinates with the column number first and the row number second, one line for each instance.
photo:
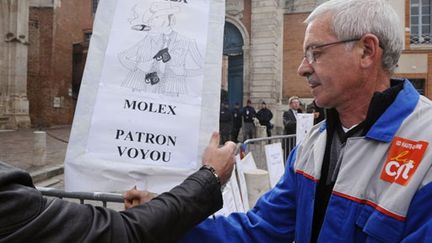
column 56, row 28
column 269, row 32
column 36, row 80
column 415, row 62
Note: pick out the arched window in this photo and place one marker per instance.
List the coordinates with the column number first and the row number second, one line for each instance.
column 421, row 13
column 233, row 40
column 233, row 64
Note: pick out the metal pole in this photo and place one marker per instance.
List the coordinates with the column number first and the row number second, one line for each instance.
column 39, row 148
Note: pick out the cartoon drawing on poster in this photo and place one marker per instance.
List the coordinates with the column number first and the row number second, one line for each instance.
column 164, row 59
column 144, row 102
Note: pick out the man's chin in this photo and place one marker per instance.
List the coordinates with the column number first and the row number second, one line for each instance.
column 321, row 103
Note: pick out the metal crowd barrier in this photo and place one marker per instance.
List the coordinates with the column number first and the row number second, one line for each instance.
column 256, row 145
column 103, row 197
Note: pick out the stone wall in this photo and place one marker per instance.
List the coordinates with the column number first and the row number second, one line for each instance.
column 14, row 112
column 266, row 33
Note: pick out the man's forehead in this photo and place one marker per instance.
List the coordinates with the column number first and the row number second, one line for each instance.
column 318, row 31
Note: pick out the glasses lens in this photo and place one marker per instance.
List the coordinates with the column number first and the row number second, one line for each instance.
column 309, row 56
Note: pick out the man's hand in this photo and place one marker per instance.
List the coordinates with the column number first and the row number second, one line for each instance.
column 135, row 197
column 221, row 159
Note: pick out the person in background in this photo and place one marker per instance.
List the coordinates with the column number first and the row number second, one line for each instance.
column 237, row 122
column 365, row 173
column 225, row 122
column 264, row 116
column 290, row 116
column 27, row 216
column 249, row 114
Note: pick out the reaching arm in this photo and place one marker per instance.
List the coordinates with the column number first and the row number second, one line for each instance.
column 164, row 219
column 271, row 220
column 189, row 203
column 27, row 216
column 167, row 217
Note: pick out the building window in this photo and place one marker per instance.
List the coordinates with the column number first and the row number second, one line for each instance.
column 94, row 5
column 419, row 85
column 421, row 13
column 87, row 36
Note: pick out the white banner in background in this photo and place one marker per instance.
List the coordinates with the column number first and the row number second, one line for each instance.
column 144, row 123
column 232, row 201
column 304, row 125
column 275, row 162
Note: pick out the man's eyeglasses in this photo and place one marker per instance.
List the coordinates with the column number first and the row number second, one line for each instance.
column 311, row 56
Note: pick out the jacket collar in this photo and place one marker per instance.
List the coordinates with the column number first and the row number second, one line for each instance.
column 388, row 123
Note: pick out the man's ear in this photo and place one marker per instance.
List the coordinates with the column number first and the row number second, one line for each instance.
column 371, row 52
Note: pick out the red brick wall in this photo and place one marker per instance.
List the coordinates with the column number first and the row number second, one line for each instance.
column 292, row 55
column 52, row 35
column 40, row 64
column 293, row 40
column 428, row 86
column 408, row 49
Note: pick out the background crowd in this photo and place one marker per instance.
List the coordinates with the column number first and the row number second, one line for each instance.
column 246, row 119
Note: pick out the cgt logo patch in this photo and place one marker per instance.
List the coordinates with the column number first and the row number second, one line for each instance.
column 403, row 160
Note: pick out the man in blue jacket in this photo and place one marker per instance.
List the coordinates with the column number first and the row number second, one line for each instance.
column 364, row 174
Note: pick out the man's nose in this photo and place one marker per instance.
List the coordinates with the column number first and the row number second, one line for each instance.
column 305, row 69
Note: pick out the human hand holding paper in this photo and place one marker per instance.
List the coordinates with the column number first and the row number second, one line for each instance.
column 134, row 197
column 221, row 159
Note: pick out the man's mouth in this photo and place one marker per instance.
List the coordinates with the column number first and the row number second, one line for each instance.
column 313, row 85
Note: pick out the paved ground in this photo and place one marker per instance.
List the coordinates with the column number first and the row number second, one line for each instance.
column 16, row 147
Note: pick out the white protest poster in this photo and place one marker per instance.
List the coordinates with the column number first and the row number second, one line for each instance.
column 248, row 162
column 229, row 204
column 144, row 115
column 304, row 125
column 275, row 164
column 231, row 198
column 242, row 183
column 236, row 192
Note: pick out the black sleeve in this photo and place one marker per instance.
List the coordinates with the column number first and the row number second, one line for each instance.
column 167, row 217
column 285, row 118
column 164, row 219
column 258, row 115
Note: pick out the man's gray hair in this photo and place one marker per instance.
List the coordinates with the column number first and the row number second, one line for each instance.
column 355, row 18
